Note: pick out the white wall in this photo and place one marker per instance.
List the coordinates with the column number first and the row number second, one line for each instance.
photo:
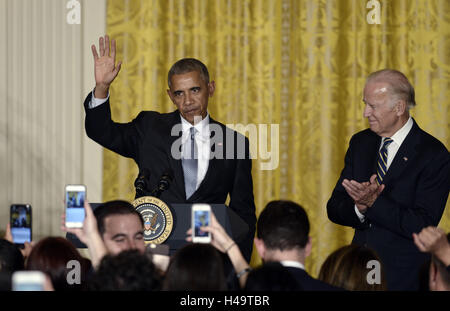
column 46, row 70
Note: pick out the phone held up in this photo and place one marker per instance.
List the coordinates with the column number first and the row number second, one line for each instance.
column 201, row 217
column 75, row 196
column 20, row 220
column 28, row 281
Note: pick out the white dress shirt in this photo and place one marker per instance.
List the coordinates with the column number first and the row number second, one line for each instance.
column 291, row 263
column 202, row 138
column 392, row 149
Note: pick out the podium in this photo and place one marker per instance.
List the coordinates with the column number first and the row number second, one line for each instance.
column 230, row 221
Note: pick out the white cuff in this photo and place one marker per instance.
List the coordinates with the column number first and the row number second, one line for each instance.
column 360, row 216
column 95, row 102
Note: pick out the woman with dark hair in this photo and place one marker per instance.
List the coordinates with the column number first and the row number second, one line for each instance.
column 347, row 267
column 195, row 267
column 53, row 256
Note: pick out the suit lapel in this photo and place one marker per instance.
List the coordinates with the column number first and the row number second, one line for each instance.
column 405, row 154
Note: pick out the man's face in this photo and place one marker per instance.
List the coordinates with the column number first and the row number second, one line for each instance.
column 381, row 109
column 190, row 93
column 123, row 232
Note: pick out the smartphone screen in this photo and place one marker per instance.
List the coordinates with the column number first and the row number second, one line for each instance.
column 28, row 281
column 75, row 196
column 201, row 220
column 20, row 218
column 201, row 217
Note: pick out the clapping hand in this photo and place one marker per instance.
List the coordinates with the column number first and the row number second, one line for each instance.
column 363, row 194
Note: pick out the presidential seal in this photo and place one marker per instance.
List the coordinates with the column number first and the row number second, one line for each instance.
column 158, row 219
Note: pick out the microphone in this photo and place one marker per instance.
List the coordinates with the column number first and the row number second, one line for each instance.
column 141, row 183
column 163, row 183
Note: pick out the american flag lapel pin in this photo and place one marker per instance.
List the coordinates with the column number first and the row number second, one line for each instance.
column 405, row 159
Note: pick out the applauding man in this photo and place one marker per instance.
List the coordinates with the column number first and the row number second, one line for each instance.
column 395, row 182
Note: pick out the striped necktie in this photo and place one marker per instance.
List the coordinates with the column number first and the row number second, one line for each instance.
column 382, row 160
column 190, row 164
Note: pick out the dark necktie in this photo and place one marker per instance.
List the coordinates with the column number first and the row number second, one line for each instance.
column 382, row 160
column 190, row 163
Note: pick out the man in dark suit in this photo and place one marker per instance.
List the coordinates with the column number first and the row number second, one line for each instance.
column 282, row 236
column 209, row 161
column 395, row 182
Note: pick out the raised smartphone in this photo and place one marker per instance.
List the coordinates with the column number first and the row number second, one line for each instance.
column 28, row 281
column 201, row 217
column 20, row 220
column 75, row 196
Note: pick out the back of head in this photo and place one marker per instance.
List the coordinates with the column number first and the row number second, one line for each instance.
column 128, row 271
column 11, row 258
column 51, row 255
column 116, row 207
column 271, row 276
column 186, row 65
column 347, row 268
column 283, row 225
column 399, row 85
column 195, row 267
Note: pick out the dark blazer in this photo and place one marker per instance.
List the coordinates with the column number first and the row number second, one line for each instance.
column 416, row 190
column 148, row 140
column 309, row 283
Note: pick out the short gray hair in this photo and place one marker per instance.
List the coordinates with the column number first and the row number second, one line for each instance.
column 186, row 65
column 398, row 85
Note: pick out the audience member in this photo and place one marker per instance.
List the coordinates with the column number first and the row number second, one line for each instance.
column 271, row 276
column 89, row 234
column 282, row 235
column 51, row 255
column 11, row 259
column 435, row 241
column 28, row 246
column 5, row 281
column 121, row 226
column 129, row 270
column 113, row 227
column 348, row 268
column 195, row 267
column 225, row 244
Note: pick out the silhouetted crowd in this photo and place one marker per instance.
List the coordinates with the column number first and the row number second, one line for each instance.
column 121, row 261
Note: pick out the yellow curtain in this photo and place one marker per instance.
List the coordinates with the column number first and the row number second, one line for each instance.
column 297, row 63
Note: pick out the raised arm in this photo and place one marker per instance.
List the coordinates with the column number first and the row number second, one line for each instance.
column 89, row 235
column 105, row 68
column 224, row 243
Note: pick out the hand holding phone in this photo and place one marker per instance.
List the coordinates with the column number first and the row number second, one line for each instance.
column 75, row 197
column 201, row 217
